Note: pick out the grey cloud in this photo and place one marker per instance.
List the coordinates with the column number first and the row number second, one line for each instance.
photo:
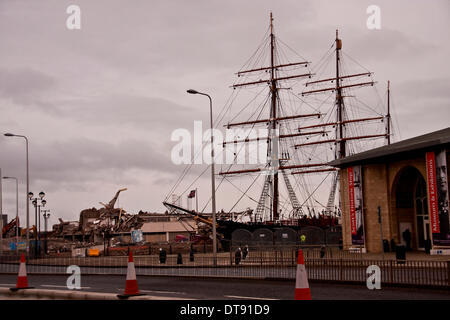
column 85, row 159
column 128, row 109
column 388, row 44
column 25, row 86
column 425, row 89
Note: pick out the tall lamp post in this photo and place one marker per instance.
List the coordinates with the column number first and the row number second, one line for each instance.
column 37, row 216
column 1, row 214
column 17, row 211
column 28, row 189
column 213, row 184
column 46, row 215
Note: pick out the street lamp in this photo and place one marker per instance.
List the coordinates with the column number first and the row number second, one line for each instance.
column 213, row 185
column 37, row 207
column 28, row 188
column 17, row 211
column 1, row 215
column 46, row 215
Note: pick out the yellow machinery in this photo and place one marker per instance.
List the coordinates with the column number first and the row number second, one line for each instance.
column 32, row 230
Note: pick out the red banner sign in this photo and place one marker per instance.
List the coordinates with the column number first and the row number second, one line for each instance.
column 351, row 195
column 432, row 192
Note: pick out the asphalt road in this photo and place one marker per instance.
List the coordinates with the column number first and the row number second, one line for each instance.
column 219, row 289
column 395, row 273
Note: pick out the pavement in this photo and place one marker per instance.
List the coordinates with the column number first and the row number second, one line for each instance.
column 102, row 287
column 46, row 294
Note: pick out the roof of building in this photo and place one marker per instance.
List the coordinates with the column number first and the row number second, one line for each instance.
column 428, row 140
column 169, row 226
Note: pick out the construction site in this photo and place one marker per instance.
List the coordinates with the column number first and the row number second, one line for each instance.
column 109, row 231
column 113, row 231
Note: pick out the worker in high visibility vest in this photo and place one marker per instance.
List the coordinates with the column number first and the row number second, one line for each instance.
column 302, row 238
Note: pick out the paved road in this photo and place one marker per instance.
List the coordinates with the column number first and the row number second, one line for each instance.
column 390, row 274
column 216, row 289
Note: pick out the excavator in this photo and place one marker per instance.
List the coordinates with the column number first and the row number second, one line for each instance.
column 9, row 228
column 32, row 229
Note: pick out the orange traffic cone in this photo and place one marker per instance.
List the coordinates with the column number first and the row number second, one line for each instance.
column 302, row 291
column 22, row 279
column 131, row 286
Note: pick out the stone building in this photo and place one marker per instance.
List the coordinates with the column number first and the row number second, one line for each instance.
column 407, row 183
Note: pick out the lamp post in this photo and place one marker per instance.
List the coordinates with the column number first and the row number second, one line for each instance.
column 213, row 184
column 37, row 217
column 381, row 230
column 17, row 211
column 1, row 215
column 46, row 216
column 28, row 189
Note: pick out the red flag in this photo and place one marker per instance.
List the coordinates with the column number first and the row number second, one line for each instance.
column 191, row 194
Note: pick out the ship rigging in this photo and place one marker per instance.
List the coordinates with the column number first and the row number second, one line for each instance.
column 309, row 121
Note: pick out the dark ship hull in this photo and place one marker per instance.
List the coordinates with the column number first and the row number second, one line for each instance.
column 225, row 228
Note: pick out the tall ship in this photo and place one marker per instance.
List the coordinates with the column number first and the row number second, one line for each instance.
column 286, row 118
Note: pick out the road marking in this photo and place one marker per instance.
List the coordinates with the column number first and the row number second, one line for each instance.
column 156, row 291
column 254, row 298
column 55, row 286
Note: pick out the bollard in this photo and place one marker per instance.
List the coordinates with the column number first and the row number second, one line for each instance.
column 322, row 252
column 237, row 256
column 162, row 256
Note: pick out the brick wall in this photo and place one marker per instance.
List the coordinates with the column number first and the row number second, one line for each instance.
column 379, row 182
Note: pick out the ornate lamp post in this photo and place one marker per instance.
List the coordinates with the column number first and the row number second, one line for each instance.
column 46, row 216
column 37, row 217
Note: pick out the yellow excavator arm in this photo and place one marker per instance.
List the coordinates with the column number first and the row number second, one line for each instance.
column 24, row 230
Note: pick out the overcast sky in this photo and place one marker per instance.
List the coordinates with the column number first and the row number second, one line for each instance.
column 99, row 104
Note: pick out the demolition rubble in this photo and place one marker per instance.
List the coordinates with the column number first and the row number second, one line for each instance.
column 110, row 228
column 112, row 231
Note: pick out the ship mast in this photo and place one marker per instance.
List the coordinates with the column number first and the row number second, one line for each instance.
column 388, row 116
column 340, row 139
column 339, row 103
column 272, row 76
column 340, row 123
column 273, row 164
column 274, row 126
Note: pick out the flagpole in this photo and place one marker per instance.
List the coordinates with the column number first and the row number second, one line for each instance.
column 196, row 200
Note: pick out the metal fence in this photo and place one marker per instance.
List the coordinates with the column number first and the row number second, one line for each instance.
column 309, row 235
column 258, row 264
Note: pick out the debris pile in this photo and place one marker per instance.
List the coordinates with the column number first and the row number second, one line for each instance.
column 111, row 227
column 65, row 227
column 129, row 222
column 98, row 222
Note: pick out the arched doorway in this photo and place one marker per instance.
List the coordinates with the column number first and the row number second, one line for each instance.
column 411, row 208
column 421, row 209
